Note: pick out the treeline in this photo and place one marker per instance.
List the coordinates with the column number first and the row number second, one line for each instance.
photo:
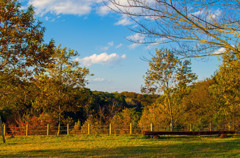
column 205, row 102
column 41, row 84
column 45, row 101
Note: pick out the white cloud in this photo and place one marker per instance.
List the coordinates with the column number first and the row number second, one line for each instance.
column 209, row 15
column 109, row 45
column 137, row 38
column 214, row 15
column 152, row 45
column 99, row 79
column 75, row 7
column 134, row 45
column 157, row 42
column 200, row 12
column 124, row 21
column 103, row 58
column 103, row 10
column 118, row 46
column 220, row 51
column 125, row 5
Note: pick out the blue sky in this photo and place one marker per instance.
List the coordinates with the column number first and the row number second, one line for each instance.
column 100, row 37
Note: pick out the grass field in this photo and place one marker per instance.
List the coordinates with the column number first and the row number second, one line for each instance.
column 120, row 146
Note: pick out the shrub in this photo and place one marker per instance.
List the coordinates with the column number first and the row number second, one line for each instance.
column 36, row 125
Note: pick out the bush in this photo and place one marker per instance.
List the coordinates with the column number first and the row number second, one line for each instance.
column 153, row 115
column 36, row 125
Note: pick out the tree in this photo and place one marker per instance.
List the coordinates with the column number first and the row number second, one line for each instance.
column 21, row 40
column 199, row 106
column 156, row 115
column 22, row 54
column 15, row 97
column 226, row 90
column 170, row 76
column 200, row 28
column 62, row 76
column 122, row 120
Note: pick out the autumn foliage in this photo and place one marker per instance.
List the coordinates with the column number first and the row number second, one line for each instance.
column 42, row 84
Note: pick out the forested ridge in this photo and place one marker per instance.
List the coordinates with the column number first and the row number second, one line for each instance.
column 40, row 83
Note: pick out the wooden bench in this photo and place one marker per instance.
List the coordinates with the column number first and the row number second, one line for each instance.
column 152, row 133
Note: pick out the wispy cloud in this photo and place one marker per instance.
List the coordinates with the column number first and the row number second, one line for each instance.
column 99, row 79
column 124, row 21
column 150, row 46
column 109, row 45
column 119, row 46
column 75, row 7
column 137, row 39
column 103, row 58
column 103, row 10
column 134, row 45
column 220, row 51
column 209, row 15
column 157, row 42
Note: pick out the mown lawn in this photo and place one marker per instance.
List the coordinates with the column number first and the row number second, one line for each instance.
column 120, row 146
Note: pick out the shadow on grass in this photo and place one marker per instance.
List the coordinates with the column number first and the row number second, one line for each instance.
column 228, row 148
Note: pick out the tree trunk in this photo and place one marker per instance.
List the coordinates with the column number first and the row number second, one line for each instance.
column 59, row 121
column 171, row 113
column 2, row 129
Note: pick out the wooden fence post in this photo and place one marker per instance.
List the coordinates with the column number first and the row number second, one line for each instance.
column 110, row 129
column 190, row 127
column 210, row 126
column 27, row 130
column 59, row 128
column 67, row 129
column 130, row 128
column 89, row 129
column 4, row 129
column 151, row 127
column 48, row 128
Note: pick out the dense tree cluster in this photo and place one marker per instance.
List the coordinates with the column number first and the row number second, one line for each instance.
column 41, row 84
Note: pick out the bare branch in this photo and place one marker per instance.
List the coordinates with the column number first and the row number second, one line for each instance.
column 203, row 26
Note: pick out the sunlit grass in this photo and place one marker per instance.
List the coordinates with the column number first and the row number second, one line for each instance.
column 120, row 146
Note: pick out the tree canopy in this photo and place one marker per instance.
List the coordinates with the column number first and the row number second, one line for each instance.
column 21, row 40
column 198, row 28
column 168, row 76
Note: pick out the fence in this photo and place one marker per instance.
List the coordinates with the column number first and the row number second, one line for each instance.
column 91, row 129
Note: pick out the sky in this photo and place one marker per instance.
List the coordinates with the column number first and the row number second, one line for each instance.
column 102, row 39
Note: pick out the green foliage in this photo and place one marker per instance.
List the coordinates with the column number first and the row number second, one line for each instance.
column 22, row 54
column 38, row 78
column 154, row 114
column 136, row 100
column 226, row 90
column 199, row 105
column 21, row 40
column 65, row 70
column 121, row 121
column 170, row 76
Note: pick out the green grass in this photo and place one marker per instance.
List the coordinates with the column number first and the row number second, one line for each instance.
column 120, row 146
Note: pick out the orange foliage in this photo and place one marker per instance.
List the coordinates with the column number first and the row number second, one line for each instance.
column 154, row 115
column 36, row 125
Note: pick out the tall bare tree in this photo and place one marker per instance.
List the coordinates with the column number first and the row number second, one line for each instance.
column 199, row 28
